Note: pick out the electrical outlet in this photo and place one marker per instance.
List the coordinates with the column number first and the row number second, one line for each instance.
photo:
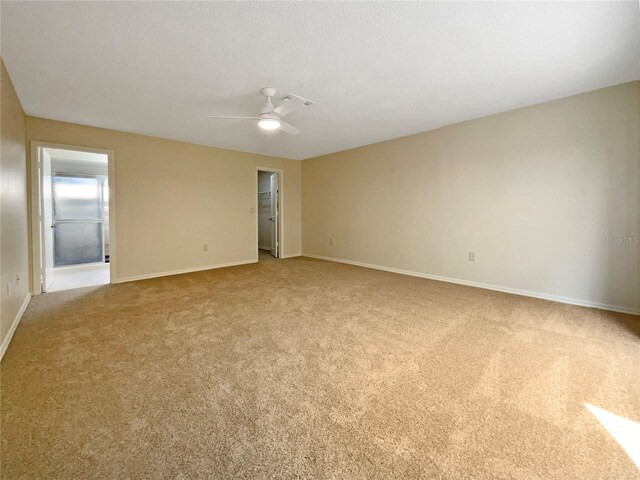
column 205, row 247
column 252, row 210
column 8, row 289
column 320, row 241
column 331, row 241
column 472, row 256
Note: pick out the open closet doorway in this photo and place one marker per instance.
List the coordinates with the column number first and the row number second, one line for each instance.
column 269, row 214
column 75, row 242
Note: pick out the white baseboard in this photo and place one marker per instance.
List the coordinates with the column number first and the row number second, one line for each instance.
column 291, row 255
column 498, row 288
column 184, row 270
column 14, row 325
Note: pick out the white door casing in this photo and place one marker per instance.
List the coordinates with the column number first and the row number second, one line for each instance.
column 275, row 241
column 47, row 222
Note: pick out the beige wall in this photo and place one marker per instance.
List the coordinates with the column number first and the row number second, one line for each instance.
column 173, row 197
column 534, row 192
column 14, row 249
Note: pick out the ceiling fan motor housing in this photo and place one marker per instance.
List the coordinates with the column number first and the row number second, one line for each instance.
column 268, row 108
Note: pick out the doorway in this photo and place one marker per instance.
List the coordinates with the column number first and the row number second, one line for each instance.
column 269, row 214
column 75, row 216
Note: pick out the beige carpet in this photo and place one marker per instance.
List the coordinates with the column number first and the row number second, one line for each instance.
column 301, row 368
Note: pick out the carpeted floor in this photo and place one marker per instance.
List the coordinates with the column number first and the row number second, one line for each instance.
column 301, row 368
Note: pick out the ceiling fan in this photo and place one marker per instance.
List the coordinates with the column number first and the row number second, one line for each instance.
column 270, row 118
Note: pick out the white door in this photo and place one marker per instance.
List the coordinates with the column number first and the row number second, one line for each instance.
column 47, row 220
column 275, row 216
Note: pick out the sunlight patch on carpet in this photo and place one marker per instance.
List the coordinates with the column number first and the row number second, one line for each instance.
column 624, row 431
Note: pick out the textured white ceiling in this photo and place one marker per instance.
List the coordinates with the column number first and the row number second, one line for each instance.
column 376, row 70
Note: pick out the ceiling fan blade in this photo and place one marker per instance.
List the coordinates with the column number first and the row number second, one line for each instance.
column 232, row 118
column 288, row 128
column 290, row 102
column 287, row 107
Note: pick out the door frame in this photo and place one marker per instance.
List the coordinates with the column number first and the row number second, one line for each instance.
column 36, row 232
column 280, row 173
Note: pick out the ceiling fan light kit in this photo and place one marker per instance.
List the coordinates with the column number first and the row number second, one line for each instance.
column 268, row 122
column 270, row 118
